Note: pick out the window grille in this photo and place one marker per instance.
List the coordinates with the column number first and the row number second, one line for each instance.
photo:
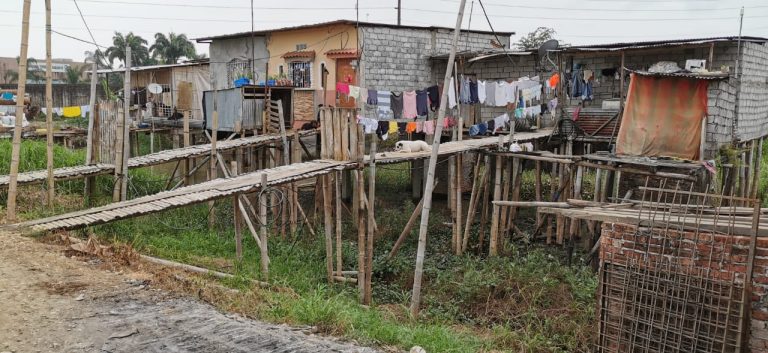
column 237, row 69
column 300, row 72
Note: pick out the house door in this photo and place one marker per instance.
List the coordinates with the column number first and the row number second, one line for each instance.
column 347, row 74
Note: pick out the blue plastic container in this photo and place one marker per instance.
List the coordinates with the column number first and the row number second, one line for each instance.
column 240, row 82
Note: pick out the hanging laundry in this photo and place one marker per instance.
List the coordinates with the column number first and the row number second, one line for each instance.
column 490, row 94
column 422, row 103
column 473, row 93
column 500, row 122
column 501, row 94
column 401, row 127
column 354, row 92
column 519, row 113
column 409, row 105
column 392, row 127
column 8, row 96
column 71, row 112
column 342, row 88
column 448, row 122
column 58, row 111
column 429, row 127
column 382, row 130
column 84, row 109
column 434, row 97
column 369, row 125
column 481, row 91
column 410, row 127
column 363, row 95
column 419, row 126
column 382, row 97
column 451, row 94
column 554, row 80
column 512, row 92
column 464, row 91
column 396, row 104
column 372, row 97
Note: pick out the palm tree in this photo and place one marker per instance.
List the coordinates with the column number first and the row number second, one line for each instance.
column 139, row 51
column 172, row 48
column 73, row 74
column 11, row 76
column 34, row 74
column 98, row 57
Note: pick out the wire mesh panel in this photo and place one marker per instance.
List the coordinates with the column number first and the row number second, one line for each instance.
column 675, row 286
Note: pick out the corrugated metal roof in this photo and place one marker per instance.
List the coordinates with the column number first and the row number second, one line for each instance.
column 658, row 43
column 693, row 75
column 487, row 54
column 154, row 67
column 336, row 22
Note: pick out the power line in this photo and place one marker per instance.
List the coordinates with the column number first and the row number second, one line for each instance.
column 78, row 39
column 593, row 9
column 84, row 22
column 227, row 7
column 587, row 19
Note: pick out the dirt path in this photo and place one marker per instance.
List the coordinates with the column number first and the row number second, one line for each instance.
column 52, row 303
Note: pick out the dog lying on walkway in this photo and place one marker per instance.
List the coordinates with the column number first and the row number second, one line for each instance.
column 412, row 146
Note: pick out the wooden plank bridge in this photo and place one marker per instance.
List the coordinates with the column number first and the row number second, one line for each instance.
column 167, row 156
column 246, row 183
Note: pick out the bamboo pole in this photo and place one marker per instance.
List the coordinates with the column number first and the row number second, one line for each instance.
column 49, row 105
column 419, row 270
column 263, row 234
column 406, row 229
column 451, row 203
column 211, row 162
column 122, row 123
column 371, row 222
column 756, row 172
column 361, row 230
column 537, row 188
column 90, row 182
column 494, row 236
column 16, row 149
column 459, row 208
column 484, row 202
column 237, row 219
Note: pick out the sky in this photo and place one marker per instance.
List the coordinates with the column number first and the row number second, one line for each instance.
column 576, row 22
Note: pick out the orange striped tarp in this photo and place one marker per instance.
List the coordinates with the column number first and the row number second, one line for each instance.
column 663, row 117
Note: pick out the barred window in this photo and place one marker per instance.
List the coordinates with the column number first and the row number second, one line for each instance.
column 300, row 72
column 237, row 69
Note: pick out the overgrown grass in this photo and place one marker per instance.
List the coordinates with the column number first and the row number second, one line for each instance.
column 33, row 156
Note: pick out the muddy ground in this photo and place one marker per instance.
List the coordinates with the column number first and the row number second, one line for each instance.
column 51, row 301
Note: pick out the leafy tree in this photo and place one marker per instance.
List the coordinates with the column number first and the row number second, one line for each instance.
column 139, row 50
column 169, row 49
column 536, row 38
column 73, row 74
column 33, row 75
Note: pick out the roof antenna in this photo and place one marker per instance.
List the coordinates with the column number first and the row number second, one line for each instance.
column 544, row 50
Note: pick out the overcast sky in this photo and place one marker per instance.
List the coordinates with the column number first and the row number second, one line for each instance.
column 576, row 22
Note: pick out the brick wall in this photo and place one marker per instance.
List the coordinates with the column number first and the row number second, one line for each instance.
column 752, row 119
column 722, row 258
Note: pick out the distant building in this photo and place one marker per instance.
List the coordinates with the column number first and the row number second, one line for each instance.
column 9, row 67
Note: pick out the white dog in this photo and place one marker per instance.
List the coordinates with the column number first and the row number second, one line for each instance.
column 412, row 146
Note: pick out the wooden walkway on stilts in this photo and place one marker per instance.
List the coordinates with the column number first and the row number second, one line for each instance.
column 167, row 156
column 246, row 183
column 184, row 196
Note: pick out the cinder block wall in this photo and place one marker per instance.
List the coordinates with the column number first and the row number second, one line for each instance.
column 752, row 119
column 620, row 245
column 397, row 59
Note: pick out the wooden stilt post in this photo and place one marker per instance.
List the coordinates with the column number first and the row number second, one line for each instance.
column 121, row 149
column 361, row 230
column 537, row 189
column 212, row 162
column 485, row 202
column 494, row 236
column 264, row 249
column 92, row 135
column 48, row 105
column 471, row 210
column 406, row 229
column 237, row 219
column 756, row 172
column 328, row 226
column 16, row 148
column 371, row 222
column 457, row 198
column 339, row 229
column 451, row 203
column 187, row 141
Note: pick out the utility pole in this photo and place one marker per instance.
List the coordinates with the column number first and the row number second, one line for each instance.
column 49, row 103
column 399, row 9
column 430, row 182
column 20, row 92
column 121, row 185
